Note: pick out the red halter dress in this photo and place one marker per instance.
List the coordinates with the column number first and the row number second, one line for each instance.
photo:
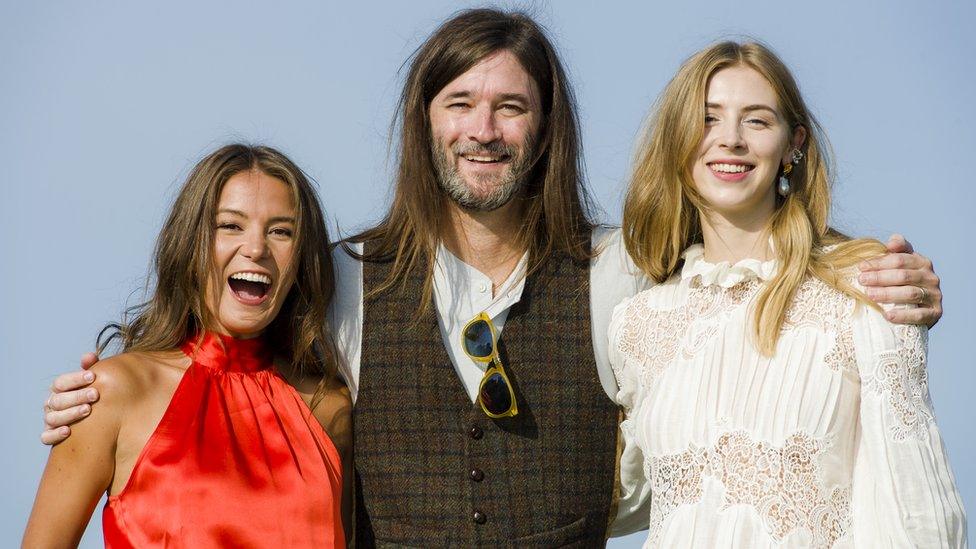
column 238, row 460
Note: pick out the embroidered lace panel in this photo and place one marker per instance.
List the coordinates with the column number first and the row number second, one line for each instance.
column 781, row 483
column 816, row 305
column 900, row 377
column 652, row 338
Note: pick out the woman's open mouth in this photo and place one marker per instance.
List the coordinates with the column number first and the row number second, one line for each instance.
column 250, row 288
column 730, row 171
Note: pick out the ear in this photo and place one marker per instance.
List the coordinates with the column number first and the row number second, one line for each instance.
column 796, row 142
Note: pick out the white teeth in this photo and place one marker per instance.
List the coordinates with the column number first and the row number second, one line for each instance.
column 252, row 277
column 729, row 168
column 482, row 158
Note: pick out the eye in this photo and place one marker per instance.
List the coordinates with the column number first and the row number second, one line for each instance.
column 511, row 108
column 227, row 226
column 710, row 119
column 458, row 106
column 758, row 122
column 282, row 231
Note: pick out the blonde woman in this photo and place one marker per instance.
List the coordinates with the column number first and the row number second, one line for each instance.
column 772, row 402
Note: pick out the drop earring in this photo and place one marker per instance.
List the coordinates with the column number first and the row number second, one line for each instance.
column 783, row 187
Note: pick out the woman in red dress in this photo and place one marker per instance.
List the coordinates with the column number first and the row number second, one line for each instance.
column 223, row 423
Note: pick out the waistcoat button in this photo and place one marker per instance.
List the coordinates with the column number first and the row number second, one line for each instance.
column 476, row 432
column 479, row 517
column 477, row 474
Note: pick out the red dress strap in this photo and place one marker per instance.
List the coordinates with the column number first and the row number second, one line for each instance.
column 237, row 460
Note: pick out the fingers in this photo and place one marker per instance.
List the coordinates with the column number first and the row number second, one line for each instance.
column 58, row 402
column 54, row 436
column 920, row 316
column 88, row 360
column 54, row 419
column 72, row 381
column 898, row 294
column 896, row 277
column 908, row 261
column 899, row 244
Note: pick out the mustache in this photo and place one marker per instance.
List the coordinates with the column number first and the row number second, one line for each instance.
column 493, row 148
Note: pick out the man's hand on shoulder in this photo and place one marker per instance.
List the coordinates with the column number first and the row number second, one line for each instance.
column 70, row 400
column 903, row 277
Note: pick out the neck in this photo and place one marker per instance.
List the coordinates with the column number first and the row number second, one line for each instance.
column 488, row 241
column 734, row 238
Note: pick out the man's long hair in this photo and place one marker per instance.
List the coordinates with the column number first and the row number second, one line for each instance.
column 183, row 263
column 557, row 207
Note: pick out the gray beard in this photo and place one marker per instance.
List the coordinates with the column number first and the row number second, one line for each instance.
column 453, row 183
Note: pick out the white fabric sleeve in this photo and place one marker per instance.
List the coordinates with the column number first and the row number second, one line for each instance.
column 634, row 502
column 903, row 492
column 613, row 278
column 346, row 314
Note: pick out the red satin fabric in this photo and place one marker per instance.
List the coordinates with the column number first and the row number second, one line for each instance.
column 238, row 460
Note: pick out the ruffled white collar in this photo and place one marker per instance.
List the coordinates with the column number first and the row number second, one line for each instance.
column 723, row 274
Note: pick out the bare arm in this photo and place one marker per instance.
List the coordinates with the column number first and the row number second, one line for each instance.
column 334, row 413
column 903, row 276
column 333, row 410
column 78, row 472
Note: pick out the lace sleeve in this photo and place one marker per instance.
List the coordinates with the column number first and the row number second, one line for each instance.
column 623, row 370
column 904, row 494
column 634, row 492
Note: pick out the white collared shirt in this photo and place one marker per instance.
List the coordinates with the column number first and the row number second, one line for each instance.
column 461, row 292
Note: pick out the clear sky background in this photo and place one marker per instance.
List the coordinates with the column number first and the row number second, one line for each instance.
column 104, row 106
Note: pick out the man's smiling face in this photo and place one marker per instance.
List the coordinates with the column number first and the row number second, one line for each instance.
column 484, row 124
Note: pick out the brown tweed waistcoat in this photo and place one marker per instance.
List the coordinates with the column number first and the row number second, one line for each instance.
column 434, row 471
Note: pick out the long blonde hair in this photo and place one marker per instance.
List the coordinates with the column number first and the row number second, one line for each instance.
column 661, row 210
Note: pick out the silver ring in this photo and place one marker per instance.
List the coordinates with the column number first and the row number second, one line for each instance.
column 925, row 294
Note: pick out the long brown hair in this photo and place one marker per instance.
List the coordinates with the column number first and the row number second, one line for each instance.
column 183, row 261
column 661, row 210
column 557, row 206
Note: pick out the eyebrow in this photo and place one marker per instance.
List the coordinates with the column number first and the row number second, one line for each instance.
column 756, row 107
column 238, row 213
column 503, row 97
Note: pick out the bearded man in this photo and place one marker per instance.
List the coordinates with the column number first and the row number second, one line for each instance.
column 464, row 437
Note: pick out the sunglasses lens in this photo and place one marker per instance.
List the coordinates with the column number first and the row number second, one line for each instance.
column 495, row 396
column 477, row 339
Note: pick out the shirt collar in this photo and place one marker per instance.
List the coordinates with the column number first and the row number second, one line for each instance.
column 723, row 274
column 453, row 278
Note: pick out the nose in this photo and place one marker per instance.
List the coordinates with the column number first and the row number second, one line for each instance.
column 730, row 136
column 255, row 245
column 483, row 128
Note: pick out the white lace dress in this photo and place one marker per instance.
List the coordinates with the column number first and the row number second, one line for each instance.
column 831, row 442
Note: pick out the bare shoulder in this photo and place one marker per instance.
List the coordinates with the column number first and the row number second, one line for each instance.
column 331, row 404
column 125, row 378
column 335, row 408
column 334, row 413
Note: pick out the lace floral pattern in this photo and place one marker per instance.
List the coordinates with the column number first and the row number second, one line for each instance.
column 900, row 377
column 781, row 483
column 653, row 338
column 818, row 306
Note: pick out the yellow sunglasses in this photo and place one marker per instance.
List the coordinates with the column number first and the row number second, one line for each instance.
column 480, row 342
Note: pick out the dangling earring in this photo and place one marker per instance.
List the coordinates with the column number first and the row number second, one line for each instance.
column 783, row 188
column 784, row 184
